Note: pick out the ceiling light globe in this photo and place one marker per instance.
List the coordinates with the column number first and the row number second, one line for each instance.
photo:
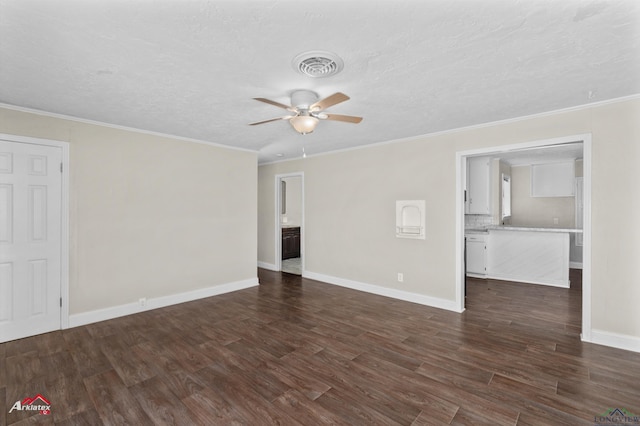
column 304, row 124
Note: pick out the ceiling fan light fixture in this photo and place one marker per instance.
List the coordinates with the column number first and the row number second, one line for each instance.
column 304, row 123
column 317, row 64
column 307, row 110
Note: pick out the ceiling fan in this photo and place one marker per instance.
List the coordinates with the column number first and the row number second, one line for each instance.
column 307, row 110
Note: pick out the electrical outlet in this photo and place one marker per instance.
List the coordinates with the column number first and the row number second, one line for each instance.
column 555, row 220
column 400, row 277
column 142, row 302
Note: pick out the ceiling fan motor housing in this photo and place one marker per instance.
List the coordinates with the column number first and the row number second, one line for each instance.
column 303, row 99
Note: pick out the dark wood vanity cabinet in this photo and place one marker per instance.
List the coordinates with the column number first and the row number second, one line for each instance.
column 290, row 242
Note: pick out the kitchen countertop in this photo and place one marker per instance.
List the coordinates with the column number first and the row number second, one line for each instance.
column 478, row 230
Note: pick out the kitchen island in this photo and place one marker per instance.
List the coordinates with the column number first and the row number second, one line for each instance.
column 531, row 255
column 523, row 254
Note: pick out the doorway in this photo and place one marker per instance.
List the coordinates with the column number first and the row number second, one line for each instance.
column 497, row 151
column 290, row 223
column 33, row 236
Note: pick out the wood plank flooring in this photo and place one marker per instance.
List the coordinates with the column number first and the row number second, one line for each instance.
column 296, row 351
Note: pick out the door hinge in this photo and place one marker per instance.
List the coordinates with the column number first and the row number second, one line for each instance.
column 61, row 302
column 60, row 167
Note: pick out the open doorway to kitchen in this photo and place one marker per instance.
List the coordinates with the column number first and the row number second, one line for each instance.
column 290, row 223
column 483, row 207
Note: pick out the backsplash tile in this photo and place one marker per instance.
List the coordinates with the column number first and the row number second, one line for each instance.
column 478, row 220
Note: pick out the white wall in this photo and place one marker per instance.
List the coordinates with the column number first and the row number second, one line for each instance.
column 150, row 216
column 350, row 198
column 350, row 215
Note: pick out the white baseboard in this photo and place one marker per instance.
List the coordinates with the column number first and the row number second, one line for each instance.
column 90, row 317
column 575, row 265
column 265, row 265
column 615, row 340
column 474, row 275
column 550, row 283
column 421, row 299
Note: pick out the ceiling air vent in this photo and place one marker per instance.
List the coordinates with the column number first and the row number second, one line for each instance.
column 318, row 64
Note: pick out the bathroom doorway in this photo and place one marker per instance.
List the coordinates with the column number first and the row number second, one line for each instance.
column 290, row 217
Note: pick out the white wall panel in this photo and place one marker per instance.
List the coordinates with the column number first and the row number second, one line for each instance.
column 37, row 286
column 6, row 213
column 6, row 162
column 37, row 213
column 6, row 292
column 37, row 165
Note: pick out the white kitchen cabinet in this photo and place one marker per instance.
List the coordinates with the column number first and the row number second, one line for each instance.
column 477, row 255
column 478, row 186
column 553, row 180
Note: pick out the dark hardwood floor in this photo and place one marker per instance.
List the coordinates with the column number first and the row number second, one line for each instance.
column 296, row 351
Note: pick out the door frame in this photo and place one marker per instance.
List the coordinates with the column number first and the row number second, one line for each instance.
column 64, row 217
column 461, row 162
column 278, row 226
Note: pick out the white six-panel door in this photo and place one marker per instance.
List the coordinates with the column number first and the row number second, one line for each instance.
column 30, row 239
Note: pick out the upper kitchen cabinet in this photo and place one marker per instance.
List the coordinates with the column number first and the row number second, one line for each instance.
column 553, row 179
column 478, row 186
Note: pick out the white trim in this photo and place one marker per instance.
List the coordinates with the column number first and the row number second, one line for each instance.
column 528, row 281
column 421, row 299
column 469, row 128
column 65, row 224
column 269, row 266
column 278, row 231
column 579, row 181
column 475, row 275
column 64, row 217
column 461, row 157
column 460, row 273
column 586, row 239
column 90, row 317
column 615, row 340
column 118, row 127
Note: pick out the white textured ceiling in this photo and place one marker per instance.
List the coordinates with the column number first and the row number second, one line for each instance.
column 191, row 68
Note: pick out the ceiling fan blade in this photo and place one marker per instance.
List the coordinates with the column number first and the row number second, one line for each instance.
column 345, row 118
column 334, row 99
column 273, row 119
column 274, row 103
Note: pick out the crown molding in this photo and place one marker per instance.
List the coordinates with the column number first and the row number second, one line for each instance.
column 118, row 127
column 469, row 128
